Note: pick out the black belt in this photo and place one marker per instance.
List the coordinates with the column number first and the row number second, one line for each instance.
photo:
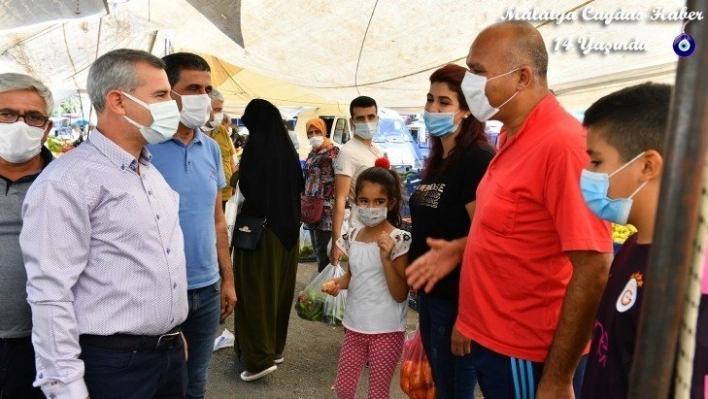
column 133, row 342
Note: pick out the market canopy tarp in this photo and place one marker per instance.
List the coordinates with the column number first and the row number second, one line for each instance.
column 305, row 53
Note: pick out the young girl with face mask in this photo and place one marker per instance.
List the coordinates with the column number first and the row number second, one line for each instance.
column 375, row 320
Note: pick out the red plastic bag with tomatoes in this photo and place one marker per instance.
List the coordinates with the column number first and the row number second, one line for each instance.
column 416, row 374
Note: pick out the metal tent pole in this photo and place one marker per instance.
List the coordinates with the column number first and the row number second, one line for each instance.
column 677, row 220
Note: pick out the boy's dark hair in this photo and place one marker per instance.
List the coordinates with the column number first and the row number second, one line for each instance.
column 633, row 119
column 362, row 102
column 178, row 61
column 391, row 182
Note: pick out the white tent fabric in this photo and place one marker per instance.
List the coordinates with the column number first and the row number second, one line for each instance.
column 308, row 53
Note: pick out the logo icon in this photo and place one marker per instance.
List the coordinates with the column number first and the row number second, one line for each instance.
column 629, row 294
column 684, row 45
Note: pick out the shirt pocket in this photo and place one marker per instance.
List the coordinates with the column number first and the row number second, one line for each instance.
column 500, row 216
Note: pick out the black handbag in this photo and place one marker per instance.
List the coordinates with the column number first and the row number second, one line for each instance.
column 248, row 231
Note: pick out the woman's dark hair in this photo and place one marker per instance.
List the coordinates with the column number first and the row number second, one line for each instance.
column 472, row 131
column 391, row 182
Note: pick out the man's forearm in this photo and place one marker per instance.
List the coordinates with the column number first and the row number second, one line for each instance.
column 61, row 370
column 461, row 243
column 337, row 218
column 222, row 252
column 590, row 270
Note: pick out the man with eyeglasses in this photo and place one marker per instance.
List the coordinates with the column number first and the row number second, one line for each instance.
column 25, row 104
column 103, row 247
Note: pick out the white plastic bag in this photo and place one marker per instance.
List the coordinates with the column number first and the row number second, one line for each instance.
column 345, row 229
column 333, row 309
column 225, row 340
column 315, row 305
column 306, row 248
column 232, row 209
column 230, row 212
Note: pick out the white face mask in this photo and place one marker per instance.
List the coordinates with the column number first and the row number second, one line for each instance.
column 366, row 130
column 316, row 141
column 165, row 120
column 195, row 110
column 20, row 142
column 372, row 216
column 218, row 117
column 473, row 88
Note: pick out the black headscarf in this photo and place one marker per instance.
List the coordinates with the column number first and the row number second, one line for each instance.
column 270, row 173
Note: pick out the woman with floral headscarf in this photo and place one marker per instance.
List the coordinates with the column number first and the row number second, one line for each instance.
column 319, row 183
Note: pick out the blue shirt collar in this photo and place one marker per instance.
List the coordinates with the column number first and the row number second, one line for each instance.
column 199, row 137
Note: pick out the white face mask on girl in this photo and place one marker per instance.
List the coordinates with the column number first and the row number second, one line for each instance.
column 372, row 216
column 473, row 88
column 196, row 110
column 20, row 142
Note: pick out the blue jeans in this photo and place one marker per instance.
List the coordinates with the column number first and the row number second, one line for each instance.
column 17, row 369
column 200, row 329
column 454, row 376
column 121, row 374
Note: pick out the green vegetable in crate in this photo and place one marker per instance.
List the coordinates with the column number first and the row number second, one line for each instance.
column 54, row 145
column 621, row 233
column 309, row 305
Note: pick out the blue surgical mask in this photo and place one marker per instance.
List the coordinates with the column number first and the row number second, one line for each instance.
column 595, row 185
column 440, row 124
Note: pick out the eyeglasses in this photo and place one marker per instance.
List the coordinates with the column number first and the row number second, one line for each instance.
column 31, row 118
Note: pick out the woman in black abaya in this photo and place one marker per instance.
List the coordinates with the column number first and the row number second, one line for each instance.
column 271, row 182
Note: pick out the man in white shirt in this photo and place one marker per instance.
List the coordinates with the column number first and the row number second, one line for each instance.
column 356, row 156
column 103, row 247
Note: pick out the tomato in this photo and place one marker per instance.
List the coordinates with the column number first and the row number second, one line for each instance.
column 420, row 393
column 405, row 385
column 417, row 378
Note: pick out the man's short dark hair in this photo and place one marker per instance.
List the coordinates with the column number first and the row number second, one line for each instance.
column 362, row 102
column 179, row 61
column 634, row 119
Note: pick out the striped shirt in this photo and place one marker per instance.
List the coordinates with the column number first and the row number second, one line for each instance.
column 104, row 254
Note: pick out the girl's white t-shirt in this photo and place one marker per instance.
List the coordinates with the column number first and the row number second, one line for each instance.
column 370, row 308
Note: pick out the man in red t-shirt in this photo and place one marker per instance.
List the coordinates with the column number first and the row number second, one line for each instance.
column 536, row 259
